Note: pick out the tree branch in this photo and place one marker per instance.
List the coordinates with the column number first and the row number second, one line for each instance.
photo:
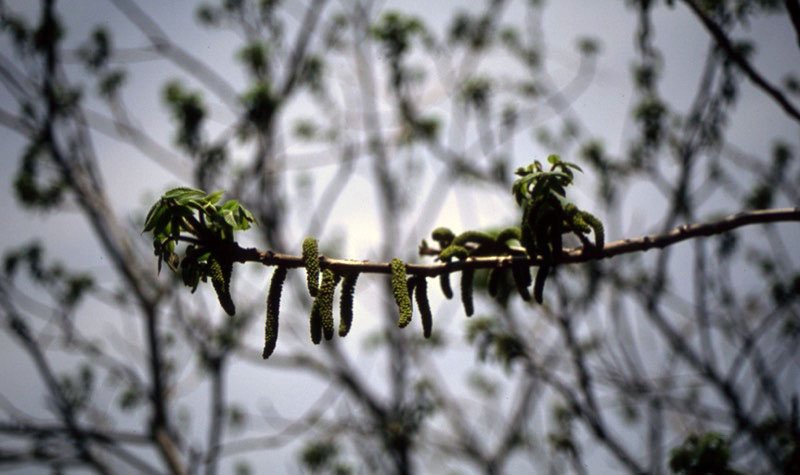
column 570, row 256
column 725, row 43
column 191, row 64
column 793, row 7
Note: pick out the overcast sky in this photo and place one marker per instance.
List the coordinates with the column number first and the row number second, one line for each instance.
column 133, row 181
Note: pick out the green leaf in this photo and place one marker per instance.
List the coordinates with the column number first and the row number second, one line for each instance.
column 182, row 192
column 214, row 197
column 153, row 217
column 227, row 215
column 148, row 218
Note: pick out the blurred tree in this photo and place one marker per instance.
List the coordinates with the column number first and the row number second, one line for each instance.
column 682, row 359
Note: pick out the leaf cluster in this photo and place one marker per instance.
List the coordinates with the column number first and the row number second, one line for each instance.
column 547, row 214
column 189, row 215
column 702, row 453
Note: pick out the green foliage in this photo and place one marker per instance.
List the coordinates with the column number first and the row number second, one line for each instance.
column 476, row 92
column 259, row 103
column 311, row 74
column 189, row 111
column 651, row 113
column 705, row 454
column 471, row 30
column 547, row 214
column 493, row 341
column 28, row 182
column 273, row 310
column 784, row 435
column 400, row 292
column 320, row 455
column 97, row 50
column 188, row 215
column 67, row 288
column 311, row 263
column 77, row 388
column 110, row 83
column 395, row 32
column 426, row 128
column 256, row 57
column 761, row 195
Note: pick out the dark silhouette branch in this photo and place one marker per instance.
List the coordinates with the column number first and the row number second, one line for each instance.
column 793, row 8
column 726, row 44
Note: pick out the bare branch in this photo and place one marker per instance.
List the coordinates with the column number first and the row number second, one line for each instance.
column 793, row 7
column 178, row 55
column 725, row 43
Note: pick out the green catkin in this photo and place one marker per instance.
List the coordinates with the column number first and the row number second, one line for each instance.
column 444, row 282
column 508, row 234
column 273, row 309
column 443, row 236
column 324, row 301
column 467, row 276
column 346, row 303
column 411, row 282
column 476, row 237
column 400, row 292
column 453, row 250
column 220, row 272
column 538, row 287
column 527, row 231
column 597, row 227
column 493, row 279
column 424, row 306
column 576, row 221
column 522, row 278
column 311, row 263
column 315, row 324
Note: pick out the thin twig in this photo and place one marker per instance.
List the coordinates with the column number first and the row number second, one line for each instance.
column 725, row 43
column 793, row 7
